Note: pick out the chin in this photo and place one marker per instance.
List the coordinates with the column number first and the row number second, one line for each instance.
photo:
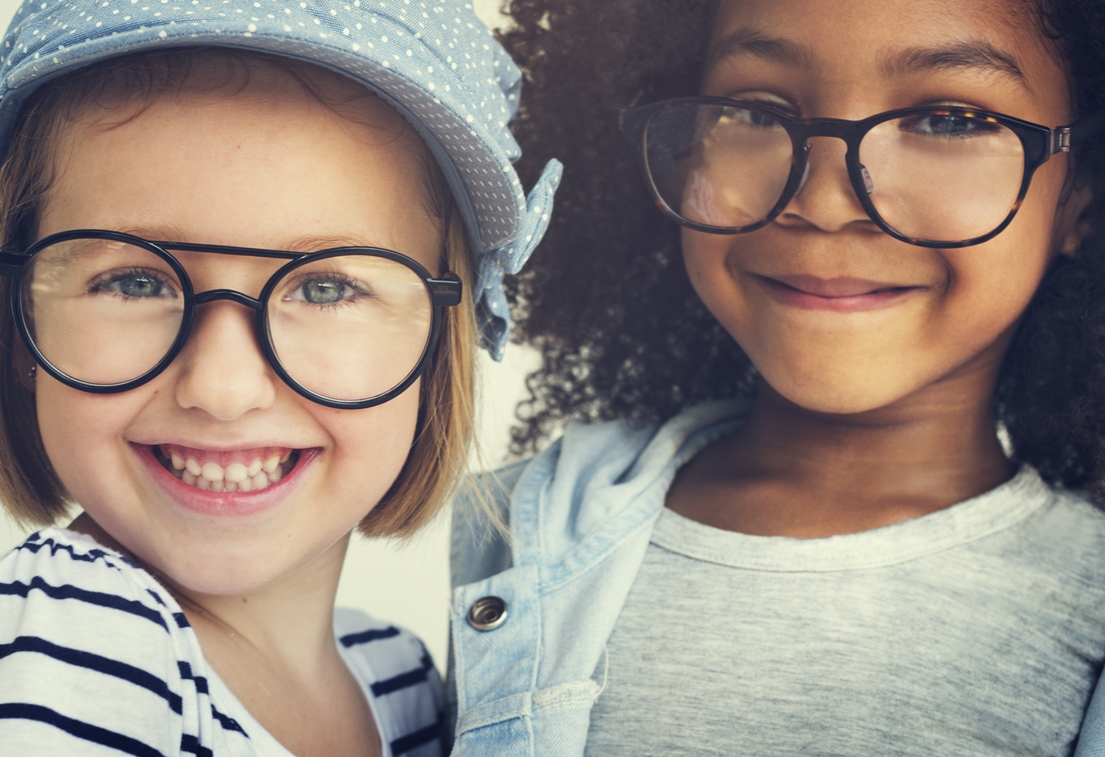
column 223, row 569
column 837, row 395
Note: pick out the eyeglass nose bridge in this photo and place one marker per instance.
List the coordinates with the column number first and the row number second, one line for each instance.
column 849, row 132
column 241, row 298
column 214, row 295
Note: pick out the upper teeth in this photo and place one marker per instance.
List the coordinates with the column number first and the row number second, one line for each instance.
column 234, row 477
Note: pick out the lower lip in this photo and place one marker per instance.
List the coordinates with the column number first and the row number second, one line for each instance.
column 854, row 303
column 224, row 504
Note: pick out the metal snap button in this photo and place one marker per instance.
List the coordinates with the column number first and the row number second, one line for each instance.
column 487, row 613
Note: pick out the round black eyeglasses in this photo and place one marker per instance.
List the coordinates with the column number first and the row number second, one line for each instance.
column 935, row 177
column 105, row 312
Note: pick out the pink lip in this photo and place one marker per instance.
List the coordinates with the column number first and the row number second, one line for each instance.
column 842, row 295
column 224, row 504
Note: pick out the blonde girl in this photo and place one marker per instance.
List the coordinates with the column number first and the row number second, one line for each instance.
column 249, row 249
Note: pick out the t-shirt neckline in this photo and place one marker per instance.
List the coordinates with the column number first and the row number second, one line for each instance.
column 975, row 518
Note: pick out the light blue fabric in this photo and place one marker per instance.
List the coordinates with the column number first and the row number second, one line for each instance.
column 433, row 60
column 1091, row 742
column 581, row 516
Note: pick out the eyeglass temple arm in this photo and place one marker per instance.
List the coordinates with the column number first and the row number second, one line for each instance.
column 1066, row 137
column 446, row 291
column 11, row 263
column 631, row 124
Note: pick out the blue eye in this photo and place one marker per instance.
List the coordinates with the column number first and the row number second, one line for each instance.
column 134, row 285
column 323, row 292
column 140, row 286
column 326, row 289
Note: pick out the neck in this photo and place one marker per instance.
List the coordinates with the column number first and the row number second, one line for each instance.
column 288, row 622
column 790, row 471
column 889, row 449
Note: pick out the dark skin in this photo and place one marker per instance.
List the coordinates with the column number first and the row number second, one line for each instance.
column 871, row 417
column 793, row 472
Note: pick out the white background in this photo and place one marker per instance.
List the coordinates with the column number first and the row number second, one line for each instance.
column 405, row 584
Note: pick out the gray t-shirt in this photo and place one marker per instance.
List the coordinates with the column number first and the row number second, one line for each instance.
column 976, row 630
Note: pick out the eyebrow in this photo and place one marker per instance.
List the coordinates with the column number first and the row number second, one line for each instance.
column 320, row 243
column 974, row 54
column 305, row 244
column 749, row 42
column 968, row 55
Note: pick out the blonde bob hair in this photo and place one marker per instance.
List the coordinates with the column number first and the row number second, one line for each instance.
column 29, row 487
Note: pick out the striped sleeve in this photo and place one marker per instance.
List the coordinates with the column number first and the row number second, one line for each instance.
column 401, row 680
column 88, row 664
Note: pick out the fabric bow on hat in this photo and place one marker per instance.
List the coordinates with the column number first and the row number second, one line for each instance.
column 492, row 309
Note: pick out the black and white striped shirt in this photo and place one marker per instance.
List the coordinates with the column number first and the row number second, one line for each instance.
column 97, row 659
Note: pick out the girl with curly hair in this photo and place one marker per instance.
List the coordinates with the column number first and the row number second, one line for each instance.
column 842, row 388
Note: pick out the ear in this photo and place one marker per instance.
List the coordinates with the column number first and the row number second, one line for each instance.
column 1072, row 222
column 23, row 363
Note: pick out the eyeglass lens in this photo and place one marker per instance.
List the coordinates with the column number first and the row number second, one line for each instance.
column 931, row 176
column 347, row 327
column 350, row 327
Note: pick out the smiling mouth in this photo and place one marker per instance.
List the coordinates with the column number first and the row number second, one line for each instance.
column 840, row 288
column 239, row 471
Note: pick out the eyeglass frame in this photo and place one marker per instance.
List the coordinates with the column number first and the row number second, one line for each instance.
column 1039, row 143
column 444, row 292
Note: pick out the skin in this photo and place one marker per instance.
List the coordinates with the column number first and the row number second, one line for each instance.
column 265, row 167
column 868, row 418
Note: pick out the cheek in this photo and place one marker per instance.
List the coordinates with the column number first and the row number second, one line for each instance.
column 989, row 291
column 372, row 445
column 706, row 258
column 83, row 435
column 993, row 283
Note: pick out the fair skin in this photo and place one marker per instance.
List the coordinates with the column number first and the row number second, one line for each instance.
column 870, row 416
column 267, row 167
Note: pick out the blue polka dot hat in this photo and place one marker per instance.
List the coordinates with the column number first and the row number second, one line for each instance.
column 433, row 60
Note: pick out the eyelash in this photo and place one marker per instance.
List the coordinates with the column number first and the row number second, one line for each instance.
column 103, row 281
column 356, row 287
column 783, row 107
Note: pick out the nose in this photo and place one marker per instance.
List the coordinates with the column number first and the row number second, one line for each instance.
column 221, row 369
column 826, row 198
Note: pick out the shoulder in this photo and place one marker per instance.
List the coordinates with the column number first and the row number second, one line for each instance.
column 90, row 649
column 1070, row 533
column 399, row 675
column 479, row 547
column 61, row 573
column 1049, row 556
column 364, row 635
column 601, row 455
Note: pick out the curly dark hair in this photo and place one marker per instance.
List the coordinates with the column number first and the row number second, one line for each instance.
column 606, row 298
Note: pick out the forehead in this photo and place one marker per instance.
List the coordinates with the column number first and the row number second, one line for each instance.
column 890, row 41
column 276, row 172
column 112, row 95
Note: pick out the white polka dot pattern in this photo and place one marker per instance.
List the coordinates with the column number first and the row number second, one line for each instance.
column 432, row 59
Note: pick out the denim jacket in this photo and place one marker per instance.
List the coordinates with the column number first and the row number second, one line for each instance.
column 581, row 515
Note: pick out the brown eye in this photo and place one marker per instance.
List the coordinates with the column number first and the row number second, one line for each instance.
column 948, row 125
